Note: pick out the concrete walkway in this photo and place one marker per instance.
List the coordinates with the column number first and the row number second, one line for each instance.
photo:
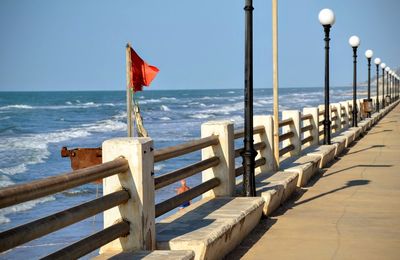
column 351, row 211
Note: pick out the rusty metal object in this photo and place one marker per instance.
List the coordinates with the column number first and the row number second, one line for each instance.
column 83, row 157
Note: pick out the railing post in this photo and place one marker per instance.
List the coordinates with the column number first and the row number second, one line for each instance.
column 225, row 150
column 314, row 111
column 268, row 138
column 139, row 181
column 338, row 120
column 346, row 117
column 295, row 128
column 360, row 109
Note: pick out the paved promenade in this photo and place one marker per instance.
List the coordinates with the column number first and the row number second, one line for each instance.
column 351, row 211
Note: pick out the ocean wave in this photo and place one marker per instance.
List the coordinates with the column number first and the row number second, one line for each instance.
column 16, row 106
column 168, row 98
column 68, row 105
column 165, row 118
column 14, row 169
column 75, row 192
column 5, row 181
column 165, row 108
column 33, row 149
column 226, row 110
column 147, row 101
column 22, row 207
column 5, row 118
column 201, row 116
column 159, row 167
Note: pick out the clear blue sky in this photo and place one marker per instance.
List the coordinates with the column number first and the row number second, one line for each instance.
column 80, row 45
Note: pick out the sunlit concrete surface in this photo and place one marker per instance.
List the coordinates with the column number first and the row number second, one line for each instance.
column 350, row 211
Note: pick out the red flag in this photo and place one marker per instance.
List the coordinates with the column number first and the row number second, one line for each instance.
column 142, row 74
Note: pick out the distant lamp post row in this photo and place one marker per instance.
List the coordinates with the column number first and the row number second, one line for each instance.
column 327, row 19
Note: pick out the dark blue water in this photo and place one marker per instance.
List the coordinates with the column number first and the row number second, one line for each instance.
column 34, row 126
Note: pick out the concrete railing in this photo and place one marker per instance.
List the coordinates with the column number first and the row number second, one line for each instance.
column 129, row 184
column 21, row 193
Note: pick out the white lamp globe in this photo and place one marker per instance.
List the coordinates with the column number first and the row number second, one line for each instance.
column 377, row 61
column 354, row 41
column 387, row 69
column 383, row 65
column 369, row 54
column 326, row 17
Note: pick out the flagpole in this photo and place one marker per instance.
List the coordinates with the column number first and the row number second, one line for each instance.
column 275, row 80
column 128, row 89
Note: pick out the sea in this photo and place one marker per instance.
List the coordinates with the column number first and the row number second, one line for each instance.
column 34, row 126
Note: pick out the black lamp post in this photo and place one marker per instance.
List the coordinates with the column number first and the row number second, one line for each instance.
column 387, row 69
column 249, row 153
column 354, row 42
column 369, row 54
column 383, row 66
column 327, row 19
column 377, row 61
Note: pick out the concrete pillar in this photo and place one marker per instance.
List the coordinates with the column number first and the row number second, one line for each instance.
column 338, row 114
column 360, row 109
column 295, row 128
column 346, row 117
column 314, row 111
column 225, row 150
column 268, row 138
column 139, row 181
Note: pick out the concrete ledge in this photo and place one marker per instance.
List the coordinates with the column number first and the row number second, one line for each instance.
column 340, row 143
column 306, row 166
column 287, row 179
column 211, row 227
column 149, row 255
column 349, row 137
column 357, row 131
column 325, row 152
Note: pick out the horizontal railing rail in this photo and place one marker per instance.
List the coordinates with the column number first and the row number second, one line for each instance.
column 185, row 148
column 185, row 172
column 286, row 136
column 286, row 149
column 257, row 146
column 38, row 228
column 36, row 189
column 256, row 130
column 90, row 243
column 259, row 162
column 306, row 117
column 307, row 140
column 285, row 122
column 306, row 128
column 176, row 201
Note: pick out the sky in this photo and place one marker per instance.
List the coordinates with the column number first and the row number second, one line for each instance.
column 80, row 45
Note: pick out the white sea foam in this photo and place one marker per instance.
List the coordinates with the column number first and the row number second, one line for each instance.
column 16, row 107
column 201, row 116
column 165, row 118
column 159, row 167
column 231, row 92
column 165, row 108
column 22, row 207
column 14, row 170
column 33, row 148
column 168, row 98
column 226, row 110
column 68, row 103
